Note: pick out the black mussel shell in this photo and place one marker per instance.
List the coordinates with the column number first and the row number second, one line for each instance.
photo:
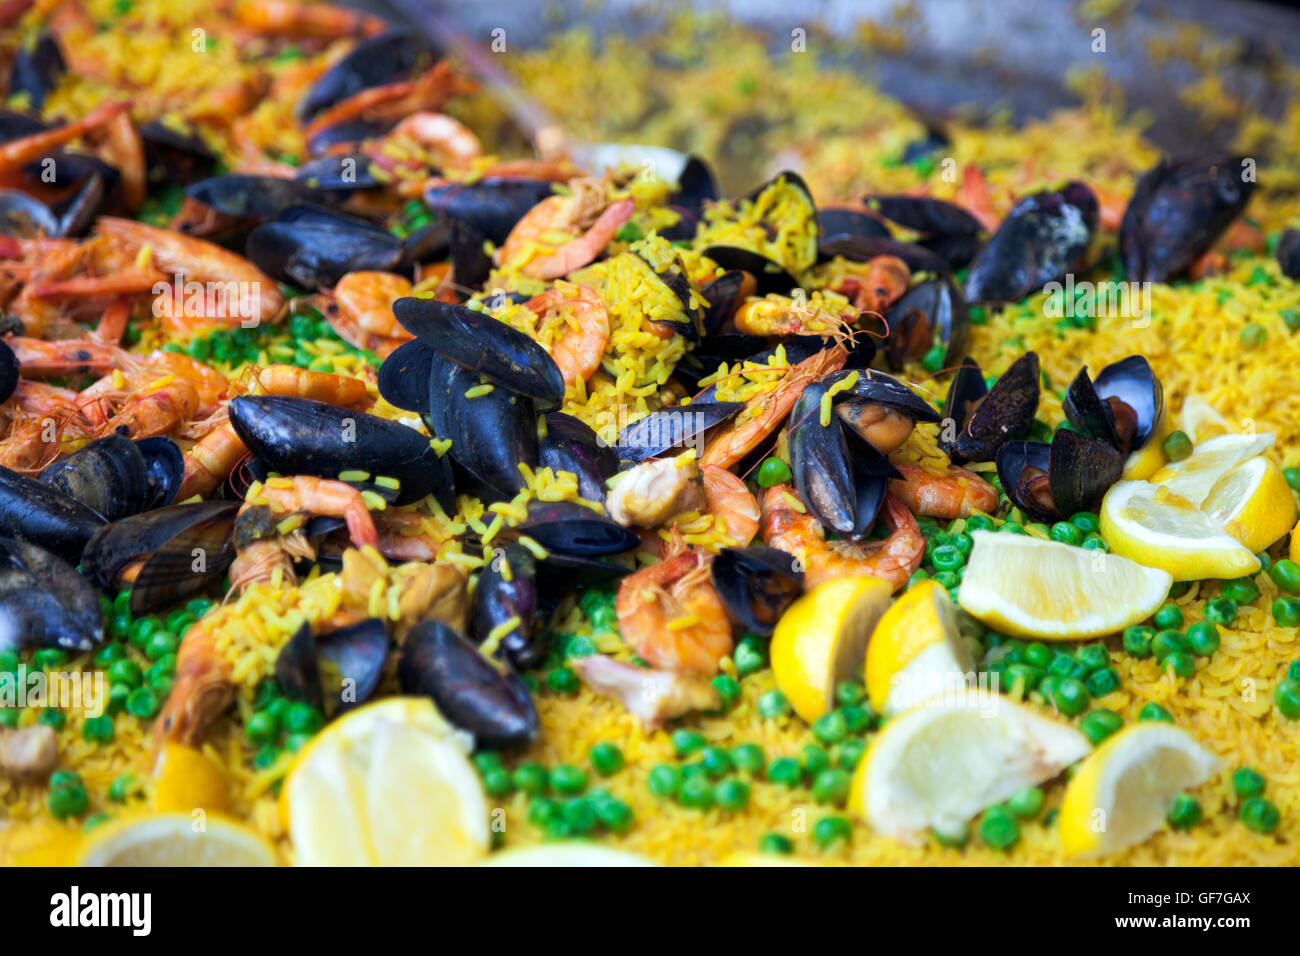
column 469, row 691
column 507, row 589
column 175, row 156
column 1013, row 459
column 1004, row 414
column 696, row 185
column 673, row 276
column 930, row 217
column 26, row 217
column 341, row 174
column 819, row 460
column 354, row 659
column 843, row 222
column 479, row 213
column 572, row 445
column 670, row 428
column 299, row 436
column 967, row 388
column 881, row 389
column 346, row 135
column 1177, row 212
column 1044, row 236
column 313, row 247
column 484, row 346
column 164, row 465
column 36, row 69
column 930, row 313
column 383, row 58
column 1130, row 381
column 45, row 516
column 245, row 196
column 572, row 529
column 756, row 584
column 865, row 248
column 428, row 243
column 404, row 376
column 724, row 296
column 44, row 602
column 770, row 276
column 109, row 476
column 297, row 674
column 15, row 125
column 872, row 473
column 1079, row 471
column 8, row 371
column 1288, row 253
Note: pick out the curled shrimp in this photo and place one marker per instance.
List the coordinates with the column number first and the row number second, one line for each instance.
column 780, row 315
column 25, row 149
column 670, row 614
column 579, row 346
column 157, row 411
column 957, row 494
column 38, row 358
column 795, row 532
column 392, row 101
column 360, row 310
column 733, row 507
column 451, row 143
column 211, row 460
column 406, row 536
column 318, row 496
column 202, row 689
column 586, row 216
column 875, row 285
column 294, row 382
column 322, row 21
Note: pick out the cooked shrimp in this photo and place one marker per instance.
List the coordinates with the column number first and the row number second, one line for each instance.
column 732, row 443
column 958, row 494
column 451, row 142
column 295, row 382
column 652, row 492
column 780, row 315
column 157, row 411
column 800, row 534
column 124, row 151
column 406, row 536
column 973, row 195
column 579, row 344
column 732, row 505
column 210, row 461
column 392, row 101
column 112, row 324
column 670, row 614
column 875, row 285
column 25, row 149
column 29, row 446
column 655, row 696
column 319, row 496
column 367, row 299
column 202, row 689
column 38, row 358
column 564, row 233
column 323, row 21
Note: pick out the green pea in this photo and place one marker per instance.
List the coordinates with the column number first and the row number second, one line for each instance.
column 849, row 754
column 696, row 793
column 1286, row 611
column 849, row 693
column 1259, row 814
column 1248, row 782
column 686, row 742
column 567, row 779
column 963, row 543
column 1293, row 670
column 948, row 558
column 543, row 810
column 1086, row 521
column 580, row 816
column 830, row 728
column 980, row 523
column 1151, row 711
column 1292, row 475
column 161, row 671
column 9, row 660
column 51, row 717
column 1038, row 654
column 121, row 788
column 775, row 843
column 266, row 757
column 303, row 718
column 1022, row 678
column 946, row 580
column 1066, row 665
column 580, row 646
column 9, row 717
column 1223, row 611
column 98, row 729
column 1203, row 638
column 1099, row 724
column 664, row 781
column 531, row 778
column 831, row 786
column 1095, row 542
column 1027, row 803
column 68, row 801
column 748, row 758
column 728, row 690
column 773, row 471
column 1181, row 663
column 105, row 655
column 1177, row 446
column 1286, row 696
column 1253, row 335
column 178, row 622
column 1070, row 696
column 1012, row 527
column 748, row 657
column 773, row 705
column 142, row 703
column 1168, row 642
column 1185, row 812
column 160, row 644
column 1241, row 590
column 1066, row 533
column 785, row 771
column 1286, row 575
column 295, row 742
column 614, row 815
column 1169, row 617
column 117, row 698
column 125, row 672
column 1102, row 682
column 122, row 602
column 999, row 829
column 856, row 719
column 262, row 728
column 606, row 758
column 562, row 680
column 49, row 658
column 142, row 628
column 1094, row 657
column 731, row 795
column 813, row 759
column 829, row 831
column 696, row 769
column 498, row 782
column 1137, row 640
column 716, row 760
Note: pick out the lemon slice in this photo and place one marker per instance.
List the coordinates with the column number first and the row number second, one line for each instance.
column 940, row 764
column 1194, row 476
column 1148, row 459
column 1122, row 792
column 39, row 843
column 176, row 839
column 821, row 640
column 1201, row 421
column 1253, row 503
column 186, row 780
column 1026, row 586
column 386, row 785
column 566, row 855
column 1147, row 524
column 916, row 651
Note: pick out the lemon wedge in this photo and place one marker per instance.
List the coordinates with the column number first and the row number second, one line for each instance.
column 1122, row 792
column 1148, row 524
column 1148, row 459
column 566, row 855
column 176, row 839
column 1253, row 503
column 39, row 843
column 821, row 640
column 1201, row 420
column 1026, row 586
column 186, row 780
column 916, row 651
column 1194, row 476
column 940, row 764
column 386, row 785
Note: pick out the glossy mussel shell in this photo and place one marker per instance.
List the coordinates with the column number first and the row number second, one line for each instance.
column 44, row 602
column 1079, row 472
column 1132, row 381
column 757, row 584
column 354, row 657
column 1002, row 414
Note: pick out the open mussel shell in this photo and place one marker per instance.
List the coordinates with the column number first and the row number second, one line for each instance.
column 184, row 548
column 837, row 222
column 930, row 313
column 571, row 445
column 25, row 217
column 175, row 155
column 300, row 436
column 923, row 214
column 44, row 602
column 696, row 186
column 37, row 67
column 491, row 704
column 484, row 346
column 1053, row 482
column 336, row 671
column 1177, row 212
column 724, row 295
column 507, row 591
column 859, row 248
column 673, row 277
column 772, row 278
column 670, row 428
column 45, row 516
column 480, row 213
column 337, row 174
column 877, row 388
column 250, row 197
column 383, row 58
column 313, row 247
column 756, row 584
column 1003, row 414
column 1044, row 236
column 1123, row 406
column 872, row 473
column 573, row 529
column 1288, row 253
column 117, row 477
column 819, row 460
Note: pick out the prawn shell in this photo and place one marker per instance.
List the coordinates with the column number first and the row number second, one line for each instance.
column 492, row 705
column 44, row 602
column 574, row 530
column 356, row 652
column 301, row 436
column 45, row 516
column 939, row 305
column 375, row 61
column 669, row 428
column 572, row 445
column 498, row 600
column 877, row 388
column 1004, row 414
column 484, row 346
column 819, row 460
column 110, row 476
column 756, row 584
